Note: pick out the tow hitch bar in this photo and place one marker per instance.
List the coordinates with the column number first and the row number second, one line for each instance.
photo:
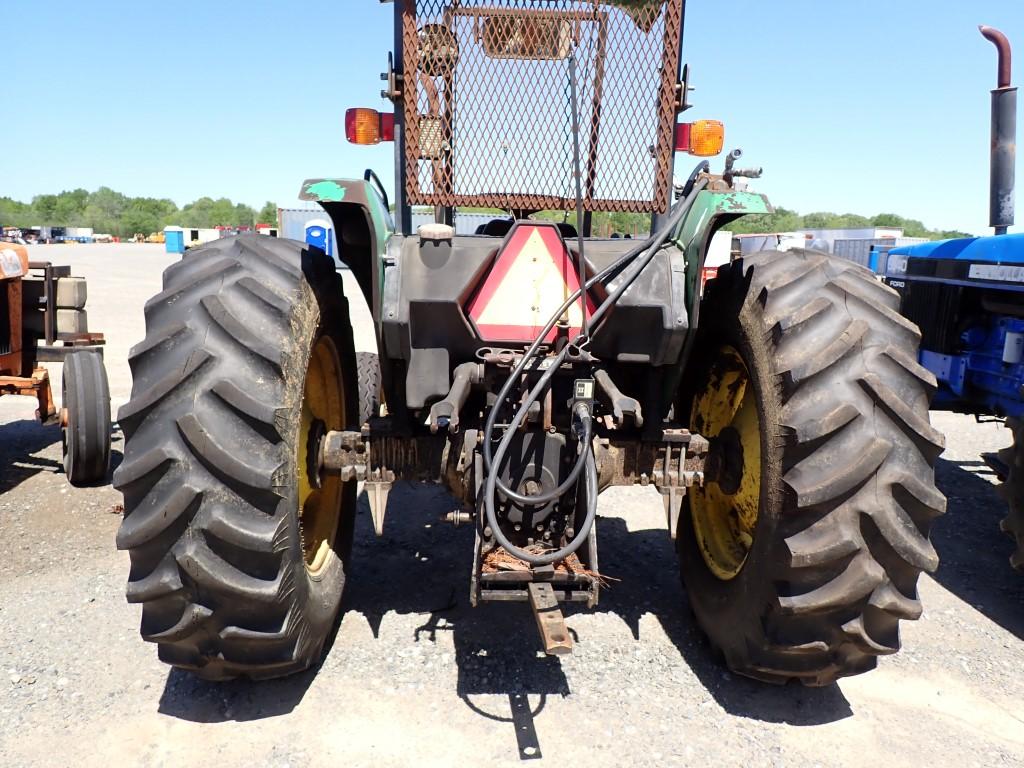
column 554, row 634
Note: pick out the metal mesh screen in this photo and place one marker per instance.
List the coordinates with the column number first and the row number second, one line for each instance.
column 487, row 102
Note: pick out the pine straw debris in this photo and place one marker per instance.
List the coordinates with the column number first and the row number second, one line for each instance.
column 499, row 559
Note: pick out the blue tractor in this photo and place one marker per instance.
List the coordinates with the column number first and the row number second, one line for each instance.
column 967, row 296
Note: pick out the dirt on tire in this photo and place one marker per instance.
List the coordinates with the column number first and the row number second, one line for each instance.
column 847, row 461
column 211, row 468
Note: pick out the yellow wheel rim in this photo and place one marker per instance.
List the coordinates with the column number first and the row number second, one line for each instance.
column 725, row 509
column 323, row 410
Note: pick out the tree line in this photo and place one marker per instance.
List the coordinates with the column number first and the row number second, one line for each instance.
column 785, row 220
column 116, row 214
column 113, row 213
column 782, row 220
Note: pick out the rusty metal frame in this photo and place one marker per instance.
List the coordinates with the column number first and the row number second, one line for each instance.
column 38, row 386
column 10, row 349
column 676, row 459
column 15, row 366
column 440, row 171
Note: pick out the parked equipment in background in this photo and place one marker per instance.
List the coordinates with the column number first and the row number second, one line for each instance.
column 967, row 296
column 778, row 410
column 43, row 320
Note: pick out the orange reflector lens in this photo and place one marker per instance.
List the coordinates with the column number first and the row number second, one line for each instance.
column 707, row 273
column 703, row 138
column 368, row 126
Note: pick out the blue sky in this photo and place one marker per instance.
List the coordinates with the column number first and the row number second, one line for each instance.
column 864, row 107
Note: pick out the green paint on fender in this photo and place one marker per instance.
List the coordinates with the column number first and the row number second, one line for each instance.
column 327, row 191
column 710, row 212
column 335, row 195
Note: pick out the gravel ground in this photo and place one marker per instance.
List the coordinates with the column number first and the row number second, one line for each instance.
column 417, row 677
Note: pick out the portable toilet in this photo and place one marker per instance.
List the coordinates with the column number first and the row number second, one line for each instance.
column 318, row 235
column 174, row 239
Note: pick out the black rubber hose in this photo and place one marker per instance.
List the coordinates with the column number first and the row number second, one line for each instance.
column 641, row 263
column 542, row 383
column 702, row 167
column 570, row 480
column 532, row 350
column 590, row 474
column 648, row 249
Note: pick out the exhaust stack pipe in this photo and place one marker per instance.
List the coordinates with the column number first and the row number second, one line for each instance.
column 1004, row 137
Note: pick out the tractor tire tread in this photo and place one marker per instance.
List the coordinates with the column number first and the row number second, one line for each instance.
column 1012, row 489
column 368, row 369
column 857, row 464
column 207, row 522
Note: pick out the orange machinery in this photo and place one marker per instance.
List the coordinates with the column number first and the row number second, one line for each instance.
column 33, row 332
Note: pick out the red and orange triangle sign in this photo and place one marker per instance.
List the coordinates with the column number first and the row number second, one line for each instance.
column 531, row 278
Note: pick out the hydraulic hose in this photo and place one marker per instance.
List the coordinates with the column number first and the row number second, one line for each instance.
column 646, row 249
column 637, row 260
column 586, row 434
column 590, row 490
column 656, row 243
column 531, row 352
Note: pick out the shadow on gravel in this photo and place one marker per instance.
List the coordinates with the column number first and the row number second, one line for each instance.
column 496, row 645
column 645, row 561
column 974, row 555
column 19, row 440
column 189, row 698
column 421, row 566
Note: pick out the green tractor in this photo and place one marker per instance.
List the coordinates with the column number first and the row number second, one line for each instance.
column 526, row 365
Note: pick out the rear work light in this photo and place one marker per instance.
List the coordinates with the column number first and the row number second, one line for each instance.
column 703, row 138
column 368, row 126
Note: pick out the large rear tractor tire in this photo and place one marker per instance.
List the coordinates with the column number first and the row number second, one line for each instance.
column 801, row 552
column 237, row 557
column 1012, row 490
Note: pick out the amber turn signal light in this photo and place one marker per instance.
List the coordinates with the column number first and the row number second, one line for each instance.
column 703, row 138
column 368, row 126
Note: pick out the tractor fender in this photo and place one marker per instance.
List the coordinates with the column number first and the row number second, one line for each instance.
column 711, row 211
column 362, row 226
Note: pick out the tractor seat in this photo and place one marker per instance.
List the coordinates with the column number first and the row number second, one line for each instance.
column 501, row 227
column 495, row 227
column 568, row 230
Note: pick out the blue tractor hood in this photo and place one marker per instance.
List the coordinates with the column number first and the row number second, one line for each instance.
column 1001, row 249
